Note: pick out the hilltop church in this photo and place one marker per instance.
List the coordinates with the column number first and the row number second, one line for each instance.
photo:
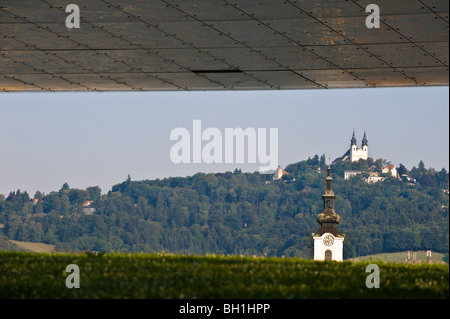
column 355, row 153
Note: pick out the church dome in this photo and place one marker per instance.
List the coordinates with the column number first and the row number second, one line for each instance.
column 328, row 218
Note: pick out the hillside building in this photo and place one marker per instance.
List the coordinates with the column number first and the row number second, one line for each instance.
column 279, row 174
column 389, row 169
column 374, row 177
column 348, row 174
column 355, row 153
column 89, row 210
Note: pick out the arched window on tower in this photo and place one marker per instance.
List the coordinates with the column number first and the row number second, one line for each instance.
column 328, row 255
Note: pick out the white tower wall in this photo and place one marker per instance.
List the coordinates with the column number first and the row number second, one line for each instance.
column 336, row 248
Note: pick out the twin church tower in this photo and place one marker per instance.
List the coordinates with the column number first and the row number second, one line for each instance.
column 357, row 153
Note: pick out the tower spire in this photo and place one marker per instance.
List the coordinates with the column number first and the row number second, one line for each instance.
column 328, row 242
column 328, row 219
column 364, row 140
column 353, row 140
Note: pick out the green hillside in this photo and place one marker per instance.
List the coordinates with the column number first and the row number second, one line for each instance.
column 40, row 275
column 234, row 213
column 33, row 247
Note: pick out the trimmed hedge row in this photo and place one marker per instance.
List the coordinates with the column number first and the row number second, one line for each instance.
column 39, row 275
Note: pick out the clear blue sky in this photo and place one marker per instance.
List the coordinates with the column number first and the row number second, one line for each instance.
column 88, row 139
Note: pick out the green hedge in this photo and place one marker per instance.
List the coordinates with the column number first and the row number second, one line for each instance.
column 37, row 275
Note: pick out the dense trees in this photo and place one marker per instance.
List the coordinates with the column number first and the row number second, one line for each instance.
column 238, row 213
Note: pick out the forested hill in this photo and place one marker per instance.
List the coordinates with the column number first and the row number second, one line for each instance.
column 238, row 213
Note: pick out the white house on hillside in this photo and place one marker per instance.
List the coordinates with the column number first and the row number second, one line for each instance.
column 389, row 169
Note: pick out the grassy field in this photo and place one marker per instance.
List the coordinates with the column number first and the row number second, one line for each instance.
column 42, row 275
column 34, row 247
column 401, row 257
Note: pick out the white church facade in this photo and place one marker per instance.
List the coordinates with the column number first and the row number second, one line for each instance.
column 356, row 153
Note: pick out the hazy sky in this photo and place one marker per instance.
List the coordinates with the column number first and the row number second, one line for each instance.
column 88, row 139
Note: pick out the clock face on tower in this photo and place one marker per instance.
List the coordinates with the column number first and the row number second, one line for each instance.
column 328, row 240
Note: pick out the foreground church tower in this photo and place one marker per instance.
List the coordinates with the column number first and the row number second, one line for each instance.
column 328, row 242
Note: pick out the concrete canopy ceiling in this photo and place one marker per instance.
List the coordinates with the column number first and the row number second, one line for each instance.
column 155, row 45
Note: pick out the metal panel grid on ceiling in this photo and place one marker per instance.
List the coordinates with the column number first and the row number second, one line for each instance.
column 383, row 77
column 221, row 45
column 8, row 84
column 205, row 10
column 332, row 78
column 422, row 75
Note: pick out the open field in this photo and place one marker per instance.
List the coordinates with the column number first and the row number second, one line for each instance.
column 34, row 247
column 400, row 257
column 41, row 275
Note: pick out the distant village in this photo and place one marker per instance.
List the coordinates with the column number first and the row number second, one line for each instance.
column 85, row 208
column 354, row 154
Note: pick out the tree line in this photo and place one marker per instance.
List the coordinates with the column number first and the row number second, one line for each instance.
column 238, row 213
